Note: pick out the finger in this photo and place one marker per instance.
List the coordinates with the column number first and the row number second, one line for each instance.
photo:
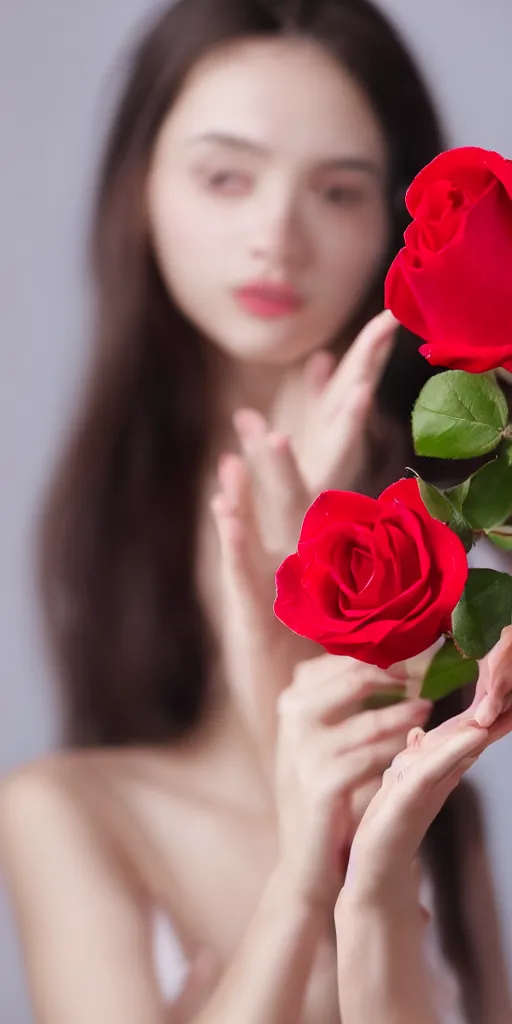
column 373, row 726
column 363, row 365
column 235, row 483
column 329, row 699
column 247, row 600
column 257, row 662
column 347, row 404
column 488, row 710
column 500, row 728
column 236, row 569
column 433, row 766
column 318, row 370
column 413, row 792
column 280, row 494
column 415, row 737
column 319, row 670
column 360, row 765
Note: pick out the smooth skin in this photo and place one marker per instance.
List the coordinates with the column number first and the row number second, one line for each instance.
column 377, row 905
column 271, row 164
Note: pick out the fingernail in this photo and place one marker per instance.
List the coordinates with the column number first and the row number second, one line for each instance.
column 482, row 715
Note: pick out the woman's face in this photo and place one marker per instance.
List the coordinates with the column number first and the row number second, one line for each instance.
column 267, row 199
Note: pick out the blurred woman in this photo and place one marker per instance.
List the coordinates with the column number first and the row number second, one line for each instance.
column 250, row 202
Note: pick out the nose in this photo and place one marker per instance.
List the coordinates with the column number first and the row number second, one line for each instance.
column 279, row 238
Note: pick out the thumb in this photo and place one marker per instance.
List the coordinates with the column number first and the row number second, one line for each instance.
column 318, row 370
column 243, row 583
column 494, row 688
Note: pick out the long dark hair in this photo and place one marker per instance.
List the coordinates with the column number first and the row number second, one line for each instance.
column 119, row 523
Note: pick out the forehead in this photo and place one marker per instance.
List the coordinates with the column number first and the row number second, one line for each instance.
column 289, row 95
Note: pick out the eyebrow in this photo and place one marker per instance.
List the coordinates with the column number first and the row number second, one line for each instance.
column 238, row 142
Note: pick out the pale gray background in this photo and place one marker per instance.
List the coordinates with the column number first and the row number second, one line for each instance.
column 56, row 75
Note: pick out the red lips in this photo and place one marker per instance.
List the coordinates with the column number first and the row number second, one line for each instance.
column 269, row 300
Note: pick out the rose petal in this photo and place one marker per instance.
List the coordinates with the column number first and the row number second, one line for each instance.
column 472, row 335
column 336, row 507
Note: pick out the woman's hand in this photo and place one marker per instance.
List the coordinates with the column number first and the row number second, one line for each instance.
column 320, row 748
column 259, row 653
column 327, row 446
column 414, row 788
column 378, row 914
column 327, row 750
column 493, row 694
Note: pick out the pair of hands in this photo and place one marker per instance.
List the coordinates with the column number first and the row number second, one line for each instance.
column 323, row 760
column 265, row 490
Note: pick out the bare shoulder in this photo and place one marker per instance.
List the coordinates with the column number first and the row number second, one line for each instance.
column 42, row 794
column 34, row 790
column 50, row 832
column 64, row 877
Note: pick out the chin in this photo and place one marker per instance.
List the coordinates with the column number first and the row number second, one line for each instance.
column 269, row 348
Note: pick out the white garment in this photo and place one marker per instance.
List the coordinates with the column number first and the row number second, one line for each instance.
column 171, row 966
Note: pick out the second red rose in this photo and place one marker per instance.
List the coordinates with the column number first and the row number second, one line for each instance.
column 373, row 579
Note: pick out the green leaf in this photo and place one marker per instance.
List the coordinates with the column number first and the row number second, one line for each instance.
column 448, row 671
column 458, row 415
column 502, row 537
column 483, row 610
column 440, row 507
column 457, row 495
column 488, row 502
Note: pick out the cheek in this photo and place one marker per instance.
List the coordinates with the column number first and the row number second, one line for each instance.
column 185, row 238
column 352, row 250
column 348, row 261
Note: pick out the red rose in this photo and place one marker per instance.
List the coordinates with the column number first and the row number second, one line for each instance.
column 376, row 579
column 452, row 283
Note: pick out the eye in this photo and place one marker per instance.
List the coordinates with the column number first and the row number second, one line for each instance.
column 228, row 182
column 343, row 195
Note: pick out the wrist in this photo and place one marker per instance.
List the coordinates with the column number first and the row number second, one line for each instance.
column 371, row 888
column 290, row 896
column 380, row 949
column 392, row 909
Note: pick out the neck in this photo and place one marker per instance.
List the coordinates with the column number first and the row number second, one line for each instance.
column 223, row 743
column 253, row 385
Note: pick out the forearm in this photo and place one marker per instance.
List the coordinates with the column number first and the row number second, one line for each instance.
column 382, row 973
column 266, row 981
